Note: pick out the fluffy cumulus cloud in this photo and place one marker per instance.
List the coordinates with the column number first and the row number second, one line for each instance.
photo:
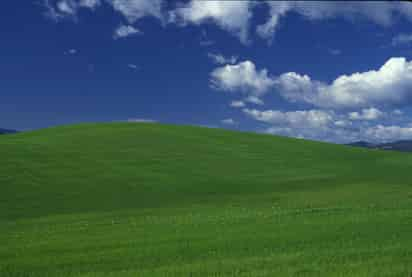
column 391, row 84
column 366, row 114
column 232, row 16
column 242, row 77
column 296, row 87
column 124, row 31
column 352, row 107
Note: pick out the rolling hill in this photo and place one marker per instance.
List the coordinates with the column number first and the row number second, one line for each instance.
column 402, row 145
column 6, row 131
column 128, row 199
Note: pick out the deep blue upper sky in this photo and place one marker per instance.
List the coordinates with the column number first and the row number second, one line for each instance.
column 70, row 61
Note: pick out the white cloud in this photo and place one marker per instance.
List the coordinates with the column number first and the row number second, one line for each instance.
column 71, row 52
column 366, row 114
column 61, row 9
column 326, row 125
column 303, row 119
column 132, row 66
column 243, row 77
column 220, row 59
column 232, row 16
column 391, row 84
column 295, row 87
column 397, row 112
column 67, row 7
column 228, row 121
column 237, row 104
column 133, row 10
column 91, row 4
column 381, row 13
column 309, row 124
column 124, row 31
column 335, row 52
column 235, row 16
column 382, row 133
column 242, row 103
column 277, row 10
column 402, row 39
column 405, row 9
column 254, row 100
column 342, row 123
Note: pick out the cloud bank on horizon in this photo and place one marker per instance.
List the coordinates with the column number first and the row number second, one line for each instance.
column 364, row 105
column 340, row 105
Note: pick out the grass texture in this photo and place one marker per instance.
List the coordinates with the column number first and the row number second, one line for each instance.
column 128, row 199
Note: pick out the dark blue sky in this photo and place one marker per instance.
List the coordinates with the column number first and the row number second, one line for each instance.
column 62, row 62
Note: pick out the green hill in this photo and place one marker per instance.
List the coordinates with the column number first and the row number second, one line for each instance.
column 131, row 199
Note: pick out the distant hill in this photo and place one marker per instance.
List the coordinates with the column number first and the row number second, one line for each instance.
column 7, row 131
column 402, row 145
column 362, row 144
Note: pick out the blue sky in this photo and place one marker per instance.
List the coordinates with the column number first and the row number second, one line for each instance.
column 328, row 71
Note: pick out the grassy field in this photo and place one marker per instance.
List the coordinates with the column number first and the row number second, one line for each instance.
column 128, row 199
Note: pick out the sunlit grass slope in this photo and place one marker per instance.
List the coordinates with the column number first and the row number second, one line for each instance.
column 156, row 200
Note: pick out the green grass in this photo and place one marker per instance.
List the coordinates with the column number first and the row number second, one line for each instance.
column 126, row 200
